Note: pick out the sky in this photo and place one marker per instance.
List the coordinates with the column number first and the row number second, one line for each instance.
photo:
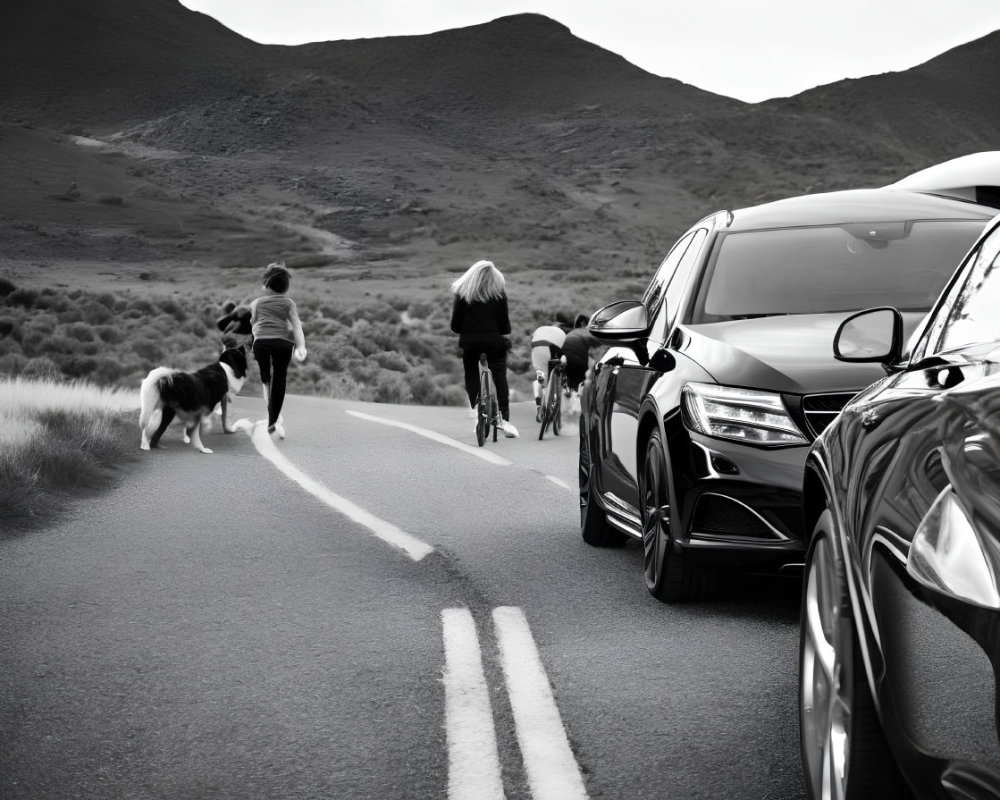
column 751, row 50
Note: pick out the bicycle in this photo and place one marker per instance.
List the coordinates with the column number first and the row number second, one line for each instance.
column 487, row 405
column 555, row 388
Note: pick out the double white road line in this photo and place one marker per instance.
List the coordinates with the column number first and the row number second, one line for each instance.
column 473, row 758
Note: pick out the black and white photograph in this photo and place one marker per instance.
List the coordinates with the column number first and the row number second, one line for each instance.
column 499, row 400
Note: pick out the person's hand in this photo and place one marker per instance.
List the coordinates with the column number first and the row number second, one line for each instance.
column 299, row 354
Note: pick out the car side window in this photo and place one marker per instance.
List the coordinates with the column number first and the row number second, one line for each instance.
column 658, row 286
column 969, row 315
column 675, row 286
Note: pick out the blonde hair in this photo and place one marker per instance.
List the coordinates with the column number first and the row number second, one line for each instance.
column 479, row 283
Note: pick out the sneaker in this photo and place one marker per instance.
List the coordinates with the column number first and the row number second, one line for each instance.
column 279, row 428
column 538, row 414
column 509, row 430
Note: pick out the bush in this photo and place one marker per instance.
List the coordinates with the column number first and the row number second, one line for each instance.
column 6, row 287
column 26, row 298
column 10, row 327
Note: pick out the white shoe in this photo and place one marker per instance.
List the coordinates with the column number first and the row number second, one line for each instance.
column 509, row 430
column 279, row 428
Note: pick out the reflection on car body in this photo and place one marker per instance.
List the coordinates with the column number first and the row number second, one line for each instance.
column 900, row 642
column 697, row 421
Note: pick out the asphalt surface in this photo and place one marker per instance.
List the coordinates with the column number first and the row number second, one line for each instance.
column 212, row 628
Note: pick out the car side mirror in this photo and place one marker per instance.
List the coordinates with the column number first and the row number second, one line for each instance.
column 873, row 335
column 622, row 321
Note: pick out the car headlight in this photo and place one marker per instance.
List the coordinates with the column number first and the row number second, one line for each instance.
column 948, row 556
column 744, row 415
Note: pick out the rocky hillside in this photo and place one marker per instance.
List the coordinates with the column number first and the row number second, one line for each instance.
column 137, row 130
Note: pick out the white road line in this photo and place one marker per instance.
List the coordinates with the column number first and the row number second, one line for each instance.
column 385, row 531
column 473, row 758
column 553, row 773
column 559, row 482
column 480, row 452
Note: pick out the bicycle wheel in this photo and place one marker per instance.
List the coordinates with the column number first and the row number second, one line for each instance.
column 548, row 403
column 495, row 415
column 484, row 407
column 557, row 411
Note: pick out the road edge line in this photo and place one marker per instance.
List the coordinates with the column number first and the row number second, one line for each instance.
column 386, row 531
column 440, row 438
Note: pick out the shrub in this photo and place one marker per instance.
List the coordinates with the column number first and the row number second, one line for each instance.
column 80, row 331
column 392, row 388
column 26, row 298
column 392, row 360
column 6, row 287
column 96, row 313
column 10, row 327
column 41, row 367
column 109, row 334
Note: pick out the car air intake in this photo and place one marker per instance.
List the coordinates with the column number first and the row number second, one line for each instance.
column 820, row 409
column 718, row 515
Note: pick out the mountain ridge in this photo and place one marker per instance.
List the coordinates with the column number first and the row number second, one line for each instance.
column 513, row 137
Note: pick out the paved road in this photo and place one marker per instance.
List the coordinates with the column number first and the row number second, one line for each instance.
column 329, row 616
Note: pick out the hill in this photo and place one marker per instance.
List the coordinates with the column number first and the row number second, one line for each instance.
column 147, row 148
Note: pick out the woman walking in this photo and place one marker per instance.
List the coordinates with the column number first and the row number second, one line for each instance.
column 481, row 319
column 277, row 335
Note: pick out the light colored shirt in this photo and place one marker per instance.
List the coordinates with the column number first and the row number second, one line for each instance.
column 275, row 316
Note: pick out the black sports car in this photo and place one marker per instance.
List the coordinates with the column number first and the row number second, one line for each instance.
column 695, row 427
column 900, row 642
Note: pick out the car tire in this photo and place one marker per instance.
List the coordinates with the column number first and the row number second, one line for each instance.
column 670, row 578
column 594, row 526
column 844, row 752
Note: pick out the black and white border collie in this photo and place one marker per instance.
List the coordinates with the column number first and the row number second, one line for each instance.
column 190, row 396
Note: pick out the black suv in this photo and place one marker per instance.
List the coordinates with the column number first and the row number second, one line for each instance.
column 696, row 423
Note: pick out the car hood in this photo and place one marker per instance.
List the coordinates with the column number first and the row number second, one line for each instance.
column 791, row 354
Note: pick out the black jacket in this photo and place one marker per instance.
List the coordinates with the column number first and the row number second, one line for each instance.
column 480, row 323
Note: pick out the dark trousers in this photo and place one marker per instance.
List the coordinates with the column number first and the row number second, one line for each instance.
column 496, row 358
column 273, row 357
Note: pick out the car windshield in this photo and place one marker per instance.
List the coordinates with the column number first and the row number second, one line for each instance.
column 831, row 268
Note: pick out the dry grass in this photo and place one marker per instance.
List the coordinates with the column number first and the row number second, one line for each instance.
column 57, row 440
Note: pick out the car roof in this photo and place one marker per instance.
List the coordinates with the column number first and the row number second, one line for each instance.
column 886, row 204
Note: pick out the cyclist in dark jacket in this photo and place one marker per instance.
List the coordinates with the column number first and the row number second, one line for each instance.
column 481, row 319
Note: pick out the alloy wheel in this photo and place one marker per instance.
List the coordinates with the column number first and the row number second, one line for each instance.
column 826, row 675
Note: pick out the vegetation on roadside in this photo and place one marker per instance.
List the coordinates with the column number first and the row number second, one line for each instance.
column 58, row 439
column 386, row 348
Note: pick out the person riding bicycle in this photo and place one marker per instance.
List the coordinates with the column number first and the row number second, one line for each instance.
column 481, row 319
column 577, row 347
column 546, row 344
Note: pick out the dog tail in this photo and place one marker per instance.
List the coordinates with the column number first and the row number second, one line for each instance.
column 149, row 393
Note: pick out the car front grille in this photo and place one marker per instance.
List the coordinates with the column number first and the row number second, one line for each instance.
column 820, row 409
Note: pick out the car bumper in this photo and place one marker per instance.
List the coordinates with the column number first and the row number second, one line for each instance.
column 739, row 505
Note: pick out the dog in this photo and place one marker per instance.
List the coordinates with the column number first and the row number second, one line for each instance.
column 190, row 396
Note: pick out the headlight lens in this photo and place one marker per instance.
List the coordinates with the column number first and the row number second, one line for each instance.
column 744, row 415
column 948, row 556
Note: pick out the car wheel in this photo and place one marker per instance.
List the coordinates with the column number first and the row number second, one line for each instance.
column 669, row 577
column 593, row 521
column 844, row 753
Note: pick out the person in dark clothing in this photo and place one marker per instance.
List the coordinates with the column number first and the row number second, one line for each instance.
column 576, row 347
column 235, row 325
column 481, row 319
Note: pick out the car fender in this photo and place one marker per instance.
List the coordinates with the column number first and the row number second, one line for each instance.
column 819, row 493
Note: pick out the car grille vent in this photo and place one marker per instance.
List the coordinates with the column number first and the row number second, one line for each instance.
column 820, row 409
column 718, row 515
